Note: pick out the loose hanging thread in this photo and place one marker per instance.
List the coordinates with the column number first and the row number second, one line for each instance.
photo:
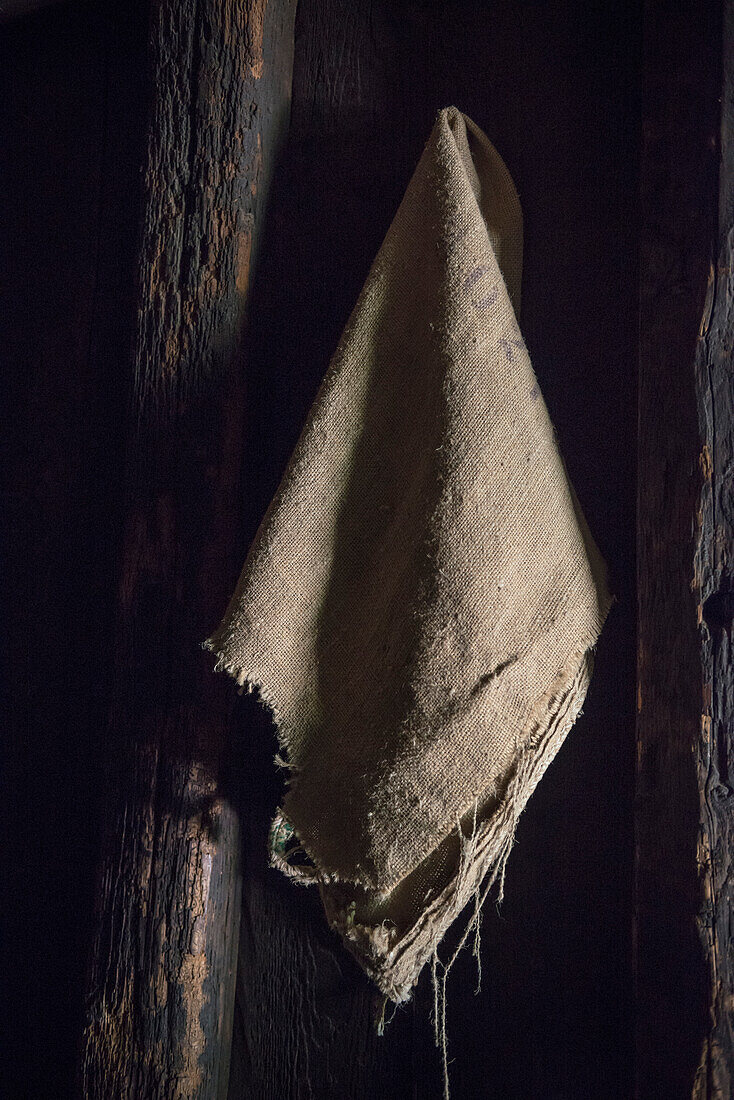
column 439, row 980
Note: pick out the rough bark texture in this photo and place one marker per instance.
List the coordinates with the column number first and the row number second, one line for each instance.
column 682, row 730
column 161, row 984
column 555, row 88
column 714, row 586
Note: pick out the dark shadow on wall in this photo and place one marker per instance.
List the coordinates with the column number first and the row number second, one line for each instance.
column 72, row 119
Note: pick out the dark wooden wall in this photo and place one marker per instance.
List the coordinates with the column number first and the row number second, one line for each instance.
column 581, row 964
column 679, row 200
column 72, row 134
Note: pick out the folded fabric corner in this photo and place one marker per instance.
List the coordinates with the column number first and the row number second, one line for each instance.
column 420, row 605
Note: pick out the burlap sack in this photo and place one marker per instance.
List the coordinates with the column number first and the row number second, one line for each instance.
column 420, row 602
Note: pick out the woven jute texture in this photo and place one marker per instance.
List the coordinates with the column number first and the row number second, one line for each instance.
column 419, row 605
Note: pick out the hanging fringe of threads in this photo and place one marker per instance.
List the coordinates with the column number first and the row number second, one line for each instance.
column 484, row 852
column 440, row 970
column 382, row 1022
column 477, row 950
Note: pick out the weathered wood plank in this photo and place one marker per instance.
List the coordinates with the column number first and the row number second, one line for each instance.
column 714, row 574
column 681, row 86
column 161, row 984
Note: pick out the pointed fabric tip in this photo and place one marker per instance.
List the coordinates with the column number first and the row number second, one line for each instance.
column 420, row 604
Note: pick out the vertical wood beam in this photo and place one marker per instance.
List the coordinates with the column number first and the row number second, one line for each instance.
column 679, row 808
column 162, row 973
column 714, row 577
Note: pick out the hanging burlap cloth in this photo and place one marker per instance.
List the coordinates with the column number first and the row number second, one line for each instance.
column 420, row 602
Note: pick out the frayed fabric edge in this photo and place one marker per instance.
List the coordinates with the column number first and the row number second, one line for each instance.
column 252, row 681
column 483, row 871
column 484, row 855
column 394, row 962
